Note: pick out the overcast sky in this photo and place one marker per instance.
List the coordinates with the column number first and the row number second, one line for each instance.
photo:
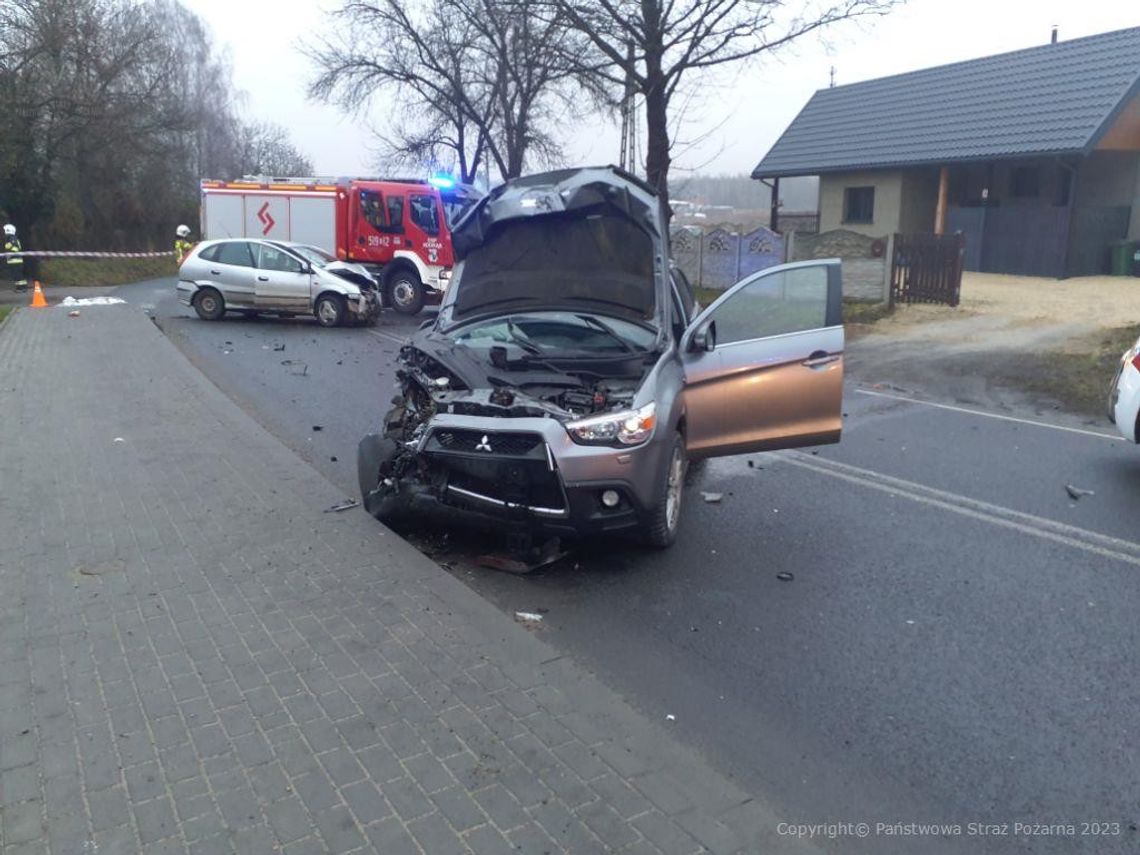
column 735, row 119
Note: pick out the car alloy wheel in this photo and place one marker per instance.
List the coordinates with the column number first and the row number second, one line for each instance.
column 330, row 310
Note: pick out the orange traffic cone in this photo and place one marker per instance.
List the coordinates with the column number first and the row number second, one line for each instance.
column 38, row 301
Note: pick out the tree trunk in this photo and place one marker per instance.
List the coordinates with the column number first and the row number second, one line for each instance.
column 657, row 132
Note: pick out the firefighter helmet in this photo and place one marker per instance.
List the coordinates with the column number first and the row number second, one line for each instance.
column 182, row 231
column 9, row 230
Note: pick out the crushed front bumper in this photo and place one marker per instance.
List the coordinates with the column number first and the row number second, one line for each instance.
column 366, row 306
column 517, row 473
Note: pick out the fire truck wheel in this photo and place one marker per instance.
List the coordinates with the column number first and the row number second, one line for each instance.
column 330, row 310
column 405, row 292
column 209, row 305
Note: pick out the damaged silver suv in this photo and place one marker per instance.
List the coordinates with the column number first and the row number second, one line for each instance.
column 566, row 384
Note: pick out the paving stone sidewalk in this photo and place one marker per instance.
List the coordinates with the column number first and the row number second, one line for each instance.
column 195, row 658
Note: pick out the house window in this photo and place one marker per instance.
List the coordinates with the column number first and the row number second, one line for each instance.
column 859, row 205
column 1025, row 182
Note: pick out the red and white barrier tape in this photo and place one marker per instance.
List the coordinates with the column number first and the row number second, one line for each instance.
column 67, row 254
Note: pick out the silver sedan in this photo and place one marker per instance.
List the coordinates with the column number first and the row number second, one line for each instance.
column 255, row 276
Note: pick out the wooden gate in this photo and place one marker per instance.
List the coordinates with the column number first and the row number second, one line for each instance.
column 927, row 269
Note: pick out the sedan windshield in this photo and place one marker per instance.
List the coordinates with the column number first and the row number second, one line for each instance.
column 553, row 333
column 318, row 257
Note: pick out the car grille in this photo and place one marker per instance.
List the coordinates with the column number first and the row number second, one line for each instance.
column 504, row 444
column 515, row 471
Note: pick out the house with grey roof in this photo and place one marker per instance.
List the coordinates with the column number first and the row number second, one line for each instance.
column 1034, row 155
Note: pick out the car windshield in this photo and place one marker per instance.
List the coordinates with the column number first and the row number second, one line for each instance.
column 318, row 257
column 552, row 333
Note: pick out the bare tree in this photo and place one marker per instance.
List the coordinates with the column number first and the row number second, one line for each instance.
column 265, row 149
column 656, row 45
column 468, row 80
column 113, row 110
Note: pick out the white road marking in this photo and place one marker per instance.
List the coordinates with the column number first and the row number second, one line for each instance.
column 387, row 336
column 988, row 415
column 1031, row 524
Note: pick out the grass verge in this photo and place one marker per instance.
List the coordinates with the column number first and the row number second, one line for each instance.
column 1078, row 377
column 4, row 312
column 74, row 272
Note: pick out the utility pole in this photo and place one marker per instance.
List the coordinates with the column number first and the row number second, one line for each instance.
column 628, row 159
column 832, row 84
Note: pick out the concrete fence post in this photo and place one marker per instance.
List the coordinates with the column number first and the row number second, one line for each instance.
column 739, row 247
column 888, row 267
column 701, row 260
column 789, row 246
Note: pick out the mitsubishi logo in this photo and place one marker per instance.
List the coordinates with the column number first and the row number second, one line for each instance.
column 483, row 445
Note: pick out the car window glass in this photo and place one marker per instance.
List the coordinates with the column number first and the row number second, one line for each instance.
column 272, row 258
column 210, row 253
column 688, row 298
column 678, row 317
column 396, row 213
column 784, row 302
column 372, row 208
column 424, row 213
column 235, row 253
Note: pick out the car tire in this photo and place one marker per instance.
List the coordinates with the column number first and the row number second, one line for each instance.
column 665, row 514
column 331, row 310
column 209, row 304
column 374, row 456
column 404, row 292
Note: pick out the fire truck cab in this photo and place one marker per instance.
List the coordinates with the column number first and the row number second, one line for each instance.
column 398, row 228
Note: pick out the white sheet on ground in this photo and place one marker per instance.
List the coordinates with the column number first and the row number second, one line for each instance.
column 90, row 301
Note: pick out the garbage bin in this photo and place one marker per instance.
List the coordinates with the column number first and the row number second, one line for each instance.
column 1120, row 258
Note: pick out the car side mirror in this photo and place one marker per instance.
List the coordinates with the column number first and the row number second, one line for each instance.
column 703, row 338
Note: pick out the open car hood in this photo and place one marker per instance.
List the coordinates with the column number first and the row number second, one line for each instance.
column 589, row 239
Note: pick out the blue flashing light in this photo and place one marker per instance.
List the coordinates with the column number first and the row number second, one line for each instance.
column 443, row 182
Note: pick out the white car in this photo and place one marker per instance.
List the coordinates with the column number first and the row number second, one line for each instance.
column 275, row 277
column 1124, row 398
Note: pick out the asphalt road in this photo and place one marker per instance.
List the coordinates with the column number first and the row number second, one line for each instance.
column 958, row 643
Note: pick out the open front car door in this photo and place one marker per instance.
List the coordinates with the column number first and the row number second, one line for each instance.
column 764, row 363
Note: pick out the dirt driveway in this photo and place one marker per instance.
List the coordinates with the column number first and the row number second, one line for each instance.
column 1014, row 342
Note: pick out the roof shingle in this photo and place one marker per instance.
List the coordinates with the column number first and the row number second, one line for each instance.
column 1050, row 99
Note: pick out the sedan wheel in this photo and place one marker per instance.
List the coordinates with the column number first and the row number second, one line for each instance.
column 330, row 310
column 209, row 304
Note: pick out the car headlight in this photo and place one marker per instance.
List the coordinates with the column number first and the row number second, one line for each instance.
column 629, row 427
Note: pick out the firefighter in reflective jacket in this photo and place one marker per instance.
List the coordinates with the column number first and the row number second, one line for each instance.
column 14, row 264
column 182, row 243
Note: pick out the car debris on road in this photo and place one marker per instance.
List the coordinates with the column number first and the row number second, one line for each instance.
column 1075, row 493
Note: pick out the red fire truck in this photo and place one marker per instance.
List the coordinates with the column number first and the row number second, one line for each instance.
column 395, row 227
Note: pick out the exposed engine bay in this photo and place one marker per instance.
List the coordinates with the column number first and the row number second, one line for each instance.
column 506, row 389
column 455, row 380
